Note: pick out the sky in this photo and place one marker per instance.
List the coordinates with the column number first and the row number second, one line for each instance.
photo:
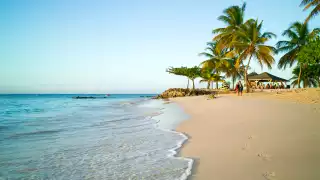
column 118, row 46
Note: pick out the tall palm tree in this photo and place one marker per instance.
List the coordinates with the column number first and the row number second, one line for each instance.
column 311, row 3
column 233, row 17
column 306, row 79
column 249, row 42
column 298, row 35
column 217, row 62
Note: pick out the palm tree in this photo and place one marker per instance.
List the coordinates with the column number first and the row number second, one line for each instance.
column 233, row 17
column 311, row 3
column 307, row 79
column 209, row 77
column 216, row 62
column 234, row 73
column 250, row 42
column 218, row 78
column 298, row 34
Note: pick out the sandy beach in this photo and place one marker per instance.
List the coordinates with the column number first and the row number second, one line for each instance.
column 259, row 136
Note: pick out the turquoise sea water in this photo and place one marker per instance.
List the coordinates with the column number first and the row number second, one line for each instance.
column 119, row 137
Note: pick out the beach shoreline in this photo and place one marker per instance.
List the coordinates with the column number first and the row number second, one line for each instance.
column 267, row 136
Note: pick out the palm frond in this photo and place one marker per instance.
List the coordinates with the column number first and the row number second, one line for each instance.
column 314, row 12
column 287, row 59
column 268, row 35
column 286, row 48
column 218, row 30
column 203, row 80
column 225, row 19
column 284, row 44
column 305, row 2
column 290, row 34
column 244, row 5
column 206, row 54
column 315, row 32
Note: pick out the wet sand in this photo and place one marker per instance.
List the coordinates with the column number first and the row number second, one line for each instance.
column 260, row 136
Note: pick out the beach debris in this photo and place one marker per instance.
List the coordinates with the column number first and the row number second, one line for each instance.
column 211, row 96
column 269, row 175
column 263, row 156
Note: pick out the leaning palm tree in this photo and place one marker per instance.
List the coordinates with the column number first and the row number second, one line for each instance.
column 305, row 78
column 298, row 34
column 233, row 17
column 249, row 42
column 311, row 3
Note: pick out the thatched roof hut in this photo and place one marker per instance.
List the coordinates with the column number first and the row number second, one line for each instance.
column 252, row 74
column 265, row 77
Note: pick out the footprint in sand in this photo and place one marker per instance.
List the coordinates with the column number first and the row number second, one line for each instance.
column 264, row 156
column 316, row 110
column 245, row 147
column 269, row 175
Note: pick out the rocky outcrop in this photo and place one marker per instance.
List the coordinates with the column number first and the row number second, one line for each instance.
column 180, row 92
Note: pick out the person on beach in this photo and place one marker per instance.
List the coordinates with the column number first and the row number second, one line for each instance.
column 268, row 86
column 240, row 88
column 237, row 87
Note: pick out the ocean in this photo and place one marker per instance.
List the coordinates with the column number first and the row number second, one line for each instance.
column 53, row 136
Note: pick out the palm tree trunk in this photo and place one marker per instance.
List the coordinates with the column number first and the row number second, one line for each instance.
column 233, row 80
column 188, row 84
column 193, row 87
column 208, row 86
column 217, row 85
column 299, row 77
column 246, row 75
column 211, row 84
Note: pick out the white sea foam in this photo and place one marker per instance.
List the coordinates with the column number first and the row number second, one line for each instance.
column 168, row 118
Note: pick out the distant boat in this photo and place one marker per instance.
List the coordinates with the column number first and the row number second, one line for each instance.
column 107, row 94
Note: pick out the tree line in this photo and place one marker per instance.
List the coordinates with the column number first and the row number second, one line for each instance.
column 240, row 41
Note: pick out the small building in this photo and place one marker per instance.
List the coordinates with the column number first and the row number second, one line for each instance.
column 258, row 80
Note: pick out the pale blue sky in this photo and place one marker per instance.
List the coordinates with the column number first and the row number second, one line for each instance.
column 77, row 46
